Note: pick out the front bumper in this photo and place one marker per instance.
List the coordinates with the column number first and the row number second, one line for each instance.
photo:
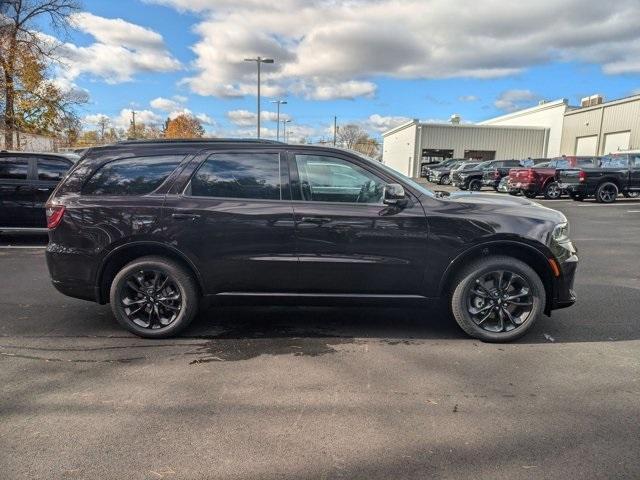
column 564, row 294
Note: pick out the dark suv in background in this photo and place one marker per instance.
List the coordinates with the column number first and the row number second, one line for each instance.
column 156, row 227
column 26, row 182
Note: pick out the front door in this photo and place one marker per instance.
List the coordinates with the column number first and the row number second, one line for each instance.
column 16, row 193
column 348, row 240
column 234, row 219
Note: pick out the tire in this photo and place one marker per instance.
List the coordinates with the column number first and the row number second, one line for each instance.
column 515, row 194
column 607, row 192
column 624, row 194
column 552, row 191
column 475, row 185
column 445, row 180
column 180, row 282
column 530, row 194
column 462, row 298
column 576, row 197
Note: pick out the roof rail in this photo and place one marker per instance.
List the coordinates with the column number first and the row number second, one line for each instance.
column 199, row 140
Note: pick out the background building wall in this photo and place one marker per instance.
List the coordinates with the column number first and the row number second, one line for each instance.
column 399, row 147
column 30, row 142
column 548, row 115
column 602, row 121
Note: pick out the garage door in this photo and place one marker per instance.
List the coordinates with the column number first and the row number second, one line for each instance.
column 614, row 142
column 587, row 145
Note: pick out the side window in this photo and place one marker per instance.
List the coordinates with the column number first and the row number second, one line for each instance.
column 238, row 175
column 12, row 168
column 51, row 169
column 131, row 176
column 330, row 179
column 635, row 162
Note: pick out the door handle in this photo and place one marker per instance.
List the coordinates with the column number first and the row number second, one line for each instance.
column 315, row 220
column 185, row 216
column 43, row 189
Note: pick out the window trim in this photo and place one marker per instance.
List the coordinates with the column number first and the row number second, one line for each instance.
column 61, row 160
column 295, row 177
column 283, row 173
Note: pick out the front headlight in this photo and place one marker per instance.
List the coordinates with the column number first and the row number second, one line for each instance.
column 561, row 232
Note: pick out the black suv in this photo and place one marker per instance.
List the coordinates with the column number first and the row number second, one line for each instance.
column 26, row 182
column 154, row 228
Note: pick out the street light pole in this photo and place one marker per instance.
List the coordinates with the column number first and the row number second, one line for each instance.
column 259, row 61
column 278, row 102
column 284, row 129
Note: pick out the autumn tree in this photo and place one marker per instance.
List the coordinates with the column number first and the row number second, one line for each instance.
column 143, row 131
column 183, row 126
column 25, row 56
column 354, row 137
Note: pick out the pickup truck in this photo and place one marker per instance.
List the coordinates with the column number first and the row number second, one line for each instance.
column 617, row 173
column 471, row 179
column 535, row 181
column 492, row 176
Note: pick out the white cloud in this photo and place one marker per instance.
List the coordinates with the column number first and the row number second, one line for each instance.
column 331, row 49
column 511, row 100
column 121, row 50
column 244, row 118
column 167, row 104
column 123, row 119
column 468, row 98
column 379, row 123
column 205, row 119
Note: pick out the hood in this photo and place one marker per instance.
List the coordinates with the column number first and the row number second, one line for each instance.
column 518, row 206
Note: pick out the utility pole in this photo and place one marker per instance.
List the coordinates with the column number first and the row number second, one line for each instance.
column 284, row 129
column 278, row 102
column 259, row 61
column 133, row 122
column 335, row 129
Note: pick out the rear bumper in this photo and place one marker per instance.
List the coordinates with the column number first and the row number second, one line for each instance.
column 71, row 274
column 525, row 186
column 575, row 188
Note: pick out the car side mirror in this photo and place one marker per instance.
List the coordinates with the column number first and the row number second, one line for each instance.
column 394, row 194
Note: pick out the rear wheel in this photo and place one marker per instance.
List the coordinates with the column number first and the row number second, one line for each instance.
column 475, row 185
column 552, row 191
column 154, row 297
column 497, row 299
column 445, row 180
column 607, row 193
column 530, row 194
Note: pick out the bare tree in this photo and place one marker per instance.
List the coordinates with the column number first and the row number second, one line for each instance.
column 19, row 37
column 350, row 135
column 103, row 124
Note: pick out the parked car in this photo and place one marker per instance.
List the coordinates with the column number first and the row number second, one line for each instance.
column 472, row 179
column 459, row 174
column 26, row 181
column 427, row 167
column 618, row 173
column 503, row 186
column 442, row 175
column 543, row 179
column 158, row 228
column 492, row 176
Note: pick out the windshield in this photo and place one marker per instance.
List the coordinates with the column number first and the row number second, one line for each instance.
column 485, row 165
column 415, row 185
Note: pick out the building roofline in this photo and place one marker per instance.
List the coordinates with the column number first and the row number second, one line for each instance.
column 476, row 125
column 415, row 121
column 527, row 111
column 619, row 101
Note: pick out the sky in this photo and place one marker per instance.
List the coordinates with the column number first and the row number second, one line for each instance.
column 377, row 63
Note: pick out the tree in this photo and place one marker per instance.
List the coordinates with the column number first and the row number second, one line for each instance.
column 22, row 48
column 143, row 132
column 356, row 138
column 183, row 126
column 104, row 124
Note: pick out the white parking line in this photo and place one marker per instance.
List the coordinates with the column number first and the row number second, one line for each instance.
column 633, row 211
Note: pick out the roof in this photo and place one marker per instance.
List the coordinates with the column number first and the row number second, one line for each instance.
column 197, row 140
column 578, row 110
column 40, row 154
column 527, row 111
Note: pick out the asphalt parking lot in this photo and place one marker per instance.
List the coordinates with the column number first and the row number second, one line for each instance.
column 261, row 393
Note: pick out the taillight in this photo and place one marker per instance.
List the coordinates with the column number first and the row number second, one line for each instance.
column 54, row 216
column 531, row 174
column 582, row 176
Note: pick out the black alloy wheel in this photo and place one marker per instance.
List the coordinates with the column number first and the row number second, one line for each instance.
column 154, row 297
column 151, row 299
column 607, row 193
column 475, row 185
column 497, row 298
column 552, row 191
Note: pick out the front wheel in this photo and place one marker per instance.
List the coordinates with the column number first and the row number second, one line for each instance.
column 552, row 191
column 607, row 193
column 475, row 185
column 154, row 297
column 445, row 180
column 497, row 299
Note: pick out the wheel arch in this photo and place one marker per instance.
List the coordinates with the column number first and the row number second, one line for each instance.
column 524, row 252
column 120, row 256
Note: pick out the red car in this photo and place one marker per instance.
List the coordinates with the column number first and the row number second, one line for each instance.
column 543, row 180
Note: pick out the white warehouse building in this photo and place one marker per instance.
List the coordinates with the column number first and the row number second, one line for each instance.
column 547, row 130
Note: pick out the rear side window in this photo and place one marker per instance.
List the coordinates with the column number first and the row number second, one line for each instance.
column 238, row 175
column 131, row 176
column 614, row 162
column 14, row 168
column 51, row 169
column 585, row 162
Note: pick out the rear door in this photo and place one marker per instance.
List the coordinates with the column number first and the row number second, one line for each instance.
column 634, row 172
column 49, row 172
column 232, row 215
column 349, row 241
column 16, row 192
